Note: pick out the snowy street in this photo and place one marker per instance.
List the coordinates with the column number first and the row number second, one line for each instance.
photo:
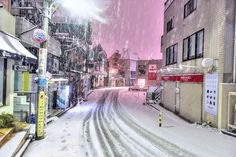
column 113, row 122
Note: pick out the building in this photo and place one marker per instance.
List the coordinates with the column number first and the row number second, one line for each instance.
column 147, row 72
column 115, row 77
column 196, row 33
column 68, row 46
column 14, row 58
column 128, row 65
column 98, row 67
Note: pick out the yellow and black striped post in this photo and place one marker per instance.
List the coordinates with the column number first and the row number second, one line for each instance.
column 160, row 118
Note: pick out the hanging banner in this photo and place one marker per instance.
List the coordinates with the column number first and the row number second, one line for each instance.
column 40, row 115
column 211, row 93
column 152, row 72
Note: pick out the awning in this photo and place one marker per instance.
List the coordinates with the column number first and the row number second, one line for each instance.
column 11, row 47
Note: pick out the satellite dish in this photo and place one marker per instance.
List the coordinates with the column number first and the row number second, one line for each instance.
column 207, row 63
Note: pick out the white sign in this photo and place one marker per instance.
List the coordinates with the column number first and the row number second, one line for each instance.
column 153, row 68
column 20, row 68
column 211, row 93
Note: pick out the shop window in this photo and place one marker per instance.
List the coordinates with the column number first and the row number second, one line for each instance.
column 3, row 75
column 193, row 46
column 171, row 54
column 189, row 7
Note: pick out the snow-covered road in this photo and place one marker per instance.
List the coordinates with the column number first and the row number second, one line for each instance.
column 114, row 123
column 109, row 131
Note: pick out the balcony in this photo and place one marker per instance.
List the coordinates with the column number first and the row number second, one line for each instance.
column 7, row 23
column 23, row 25
column 167, row 4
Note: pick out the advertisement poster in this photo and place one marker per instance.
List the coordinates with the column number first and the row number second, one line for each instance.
column 152, row 72
column 141, row 70
column 211, row 93
column 62, row 97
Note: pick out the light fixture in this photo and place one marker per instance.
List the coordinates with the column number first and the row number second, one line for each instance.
column 86, row 9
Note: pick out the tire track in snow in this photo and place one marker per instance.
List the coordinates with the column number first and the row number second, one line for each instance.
column 163, row 145
column 141, row 144
column 110, row 131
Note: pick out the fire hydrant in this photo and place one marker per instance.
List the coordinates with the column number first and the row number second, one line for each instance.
column 160, row 118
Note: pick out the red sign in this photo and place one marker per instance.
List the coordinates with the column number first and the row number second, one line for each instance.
column 152, row 72
column 170, row 78
column 152, row 76
column 184, row 78
column 191, row 78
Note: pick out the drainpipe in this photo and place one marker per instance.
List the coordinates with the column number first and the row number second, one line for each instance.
column 234, row 63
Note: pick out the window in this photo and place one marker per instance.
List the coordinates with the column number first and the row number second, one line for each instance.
column 193, row 46
column 171, row 54
column 189, row 7
column 200, row 41
column 185, row 51
column 169, row 26
column 3, row 75
column 132, row 74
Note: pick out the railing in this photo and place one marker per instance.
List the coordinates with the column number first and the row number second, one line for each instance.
column 154, row 97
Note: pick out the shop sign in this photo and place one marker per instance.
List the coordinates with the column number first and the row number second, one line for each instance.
column 40, row 115
column 170, row 78
column 152, row 72
column 40, row 35
column 191, row 78
column 211, row 93
column 20, row 68
column 184, row 78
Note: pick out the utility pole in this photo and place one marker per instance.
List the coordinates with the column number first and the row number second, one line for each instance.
column 42, row 64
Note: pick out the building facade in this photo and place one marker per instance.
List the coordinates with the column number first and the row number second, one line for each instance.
column 147, row 71
column 128, row 66
column 197, row 32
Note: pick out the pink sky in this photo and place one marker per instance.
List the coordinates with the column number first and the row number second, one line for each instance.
column 140, row 22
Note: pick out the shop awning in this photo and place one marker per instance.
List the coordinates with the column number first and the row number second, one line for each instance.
column 11, row 47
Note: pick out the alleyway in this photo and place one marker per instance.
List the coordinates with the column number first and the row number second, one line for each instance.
column 104, row 127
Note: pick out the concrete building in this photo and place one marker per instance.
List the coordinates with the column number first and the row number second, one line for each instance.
column 196, row 33
column 11, row 52
column 147, row 71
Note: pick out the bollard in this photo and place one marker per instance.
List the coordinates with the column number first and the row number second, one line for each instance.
column 160, row 119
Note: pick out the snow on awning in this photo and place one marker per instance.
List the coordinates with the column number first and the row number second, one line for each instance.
column 11, row 47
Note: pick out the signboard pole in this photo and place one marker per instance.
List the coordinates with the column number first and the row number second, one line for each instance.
column 42, row 64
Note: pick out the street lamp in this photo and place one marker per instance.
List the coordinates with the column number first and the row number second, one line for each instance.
column 42, row 57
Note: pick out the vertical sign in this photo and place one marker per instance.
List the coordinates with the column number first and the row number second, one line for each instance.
column 211, row 93
column 25, row 81
column 40, row 115
column 152, row 72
